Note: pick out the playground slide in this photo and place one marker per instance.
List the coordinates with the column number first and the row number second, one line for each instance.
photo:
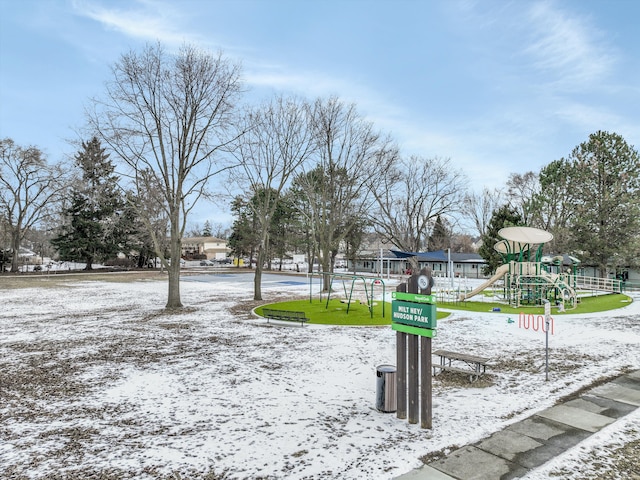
column 500, row 272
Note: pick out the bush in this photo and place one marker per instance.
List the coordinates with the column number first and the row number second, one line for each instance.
column 120, row 262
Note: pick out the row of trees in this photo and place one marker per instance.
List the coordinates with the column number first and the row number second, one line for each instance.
column 317, row 175
column 590, row 201
column 173, row 122
column 81, row 211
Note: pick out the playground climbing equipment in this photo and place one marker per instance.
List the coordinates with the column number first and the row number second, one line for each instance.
column 528, row 277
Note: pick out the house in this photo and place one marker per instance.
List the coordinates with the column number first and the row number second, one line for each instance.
column 441, row 263
column 199, row 248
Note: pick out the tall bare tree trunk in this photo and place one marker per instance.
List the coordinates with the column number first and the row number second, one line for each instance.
column 173, row 268
column 15, row 246
column 326, row 269
column 257, row 279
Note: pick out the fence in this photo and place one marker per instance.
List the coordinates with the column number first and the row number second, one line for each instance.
column 601, row 284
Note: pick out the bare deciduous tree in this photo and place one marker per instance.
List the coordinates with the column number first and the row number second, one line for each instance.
column 168, row 116
column 350, row 156
column 411, row 197
column 28, row 188
column 479, row 207
column 521, row 190
column 276, row 144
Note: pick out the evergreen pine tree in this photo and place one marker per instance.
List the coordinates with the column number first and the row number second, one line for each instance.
column 503, row 217
column 94, row 229
column 243, row 239
column 605, row 173
column 206, row 230
column 440, row 238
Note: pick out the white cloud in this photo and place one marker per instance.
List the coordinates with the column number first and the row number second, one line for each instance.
column 143, row 19
column 590, row 118
column 568, row 47
column 282, row 79
column 312, row 84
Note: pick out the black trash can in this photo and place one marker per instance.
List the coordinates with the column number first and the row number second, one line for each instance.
column 386, row 400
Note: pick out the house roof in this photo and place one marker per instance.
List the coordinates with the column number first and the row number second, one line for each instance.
column 467, row 258
column 203, row 240
column 440, row 256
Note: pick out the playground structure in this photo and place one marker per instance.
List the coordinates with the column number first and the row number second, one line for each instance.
column 529, row 278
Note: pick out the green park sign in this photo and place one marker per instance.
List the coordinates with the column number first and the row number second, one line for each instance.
column 413, row 297
column 422, row 315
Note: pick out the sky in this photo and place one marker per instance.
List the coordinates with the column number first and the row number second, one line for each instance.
column 498, row 87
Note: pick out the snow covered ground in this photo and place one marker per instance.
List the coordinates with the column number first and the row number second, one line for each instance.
column 98, row 381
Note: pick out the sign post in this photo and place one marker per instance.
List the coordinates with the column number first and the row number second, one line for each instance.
column 426, row 404
column 413, row 317
column 401, row 377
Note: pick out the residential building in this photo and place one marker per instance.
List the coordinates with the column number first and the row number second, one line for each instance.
column 441, row 263
column 212, row 248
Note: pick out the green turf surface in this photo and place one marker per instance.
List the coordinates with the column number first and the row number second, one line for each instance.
column 596, row 303
column 336, row 313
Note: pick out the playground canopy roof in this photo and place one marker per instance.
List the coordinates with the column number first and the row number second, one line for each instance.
column 525, row 235
column 440, row 256
column 437, row 256
column 522, row 241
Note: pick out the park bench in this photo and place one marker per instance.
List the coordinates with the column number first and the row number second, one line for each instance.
column 471, row 365
column 286, row 315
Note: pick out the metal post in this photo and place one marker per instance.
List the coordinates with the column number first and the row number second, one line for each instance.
column 546, row 369
column 413, row 379
column 401, row 377
column 547, row 315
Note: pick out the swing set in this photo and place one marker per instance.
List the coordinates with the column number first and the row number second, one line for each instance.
column 368, row 291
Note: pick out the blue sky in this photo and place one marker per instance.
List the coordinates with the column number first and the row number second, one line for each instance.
column 497, row 86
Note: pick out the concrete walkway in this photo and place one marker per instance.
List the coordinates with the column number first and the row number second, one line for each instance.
column 528, row 444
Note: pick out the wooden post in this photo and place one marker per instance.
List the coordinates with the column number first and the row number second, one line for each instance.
column 426, row 409
column 414, row 399
column 401, row 375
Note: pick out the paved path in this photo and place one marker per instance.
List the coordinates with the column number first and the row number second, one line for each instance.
column 528, row 444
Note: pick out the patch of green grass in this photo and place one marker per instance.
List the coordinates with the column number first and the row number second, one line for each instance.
column 596, row 303
column 336, row 313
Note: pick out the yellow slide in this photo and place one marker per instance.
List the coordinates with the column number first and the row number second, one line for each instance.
column 500, row 272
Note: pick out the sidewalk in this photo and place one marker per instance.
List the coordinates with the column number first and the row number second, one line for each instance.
column 528, row 444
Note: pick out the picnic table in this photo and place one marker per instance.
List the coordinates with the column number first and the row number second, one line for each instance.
column 471, row 365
